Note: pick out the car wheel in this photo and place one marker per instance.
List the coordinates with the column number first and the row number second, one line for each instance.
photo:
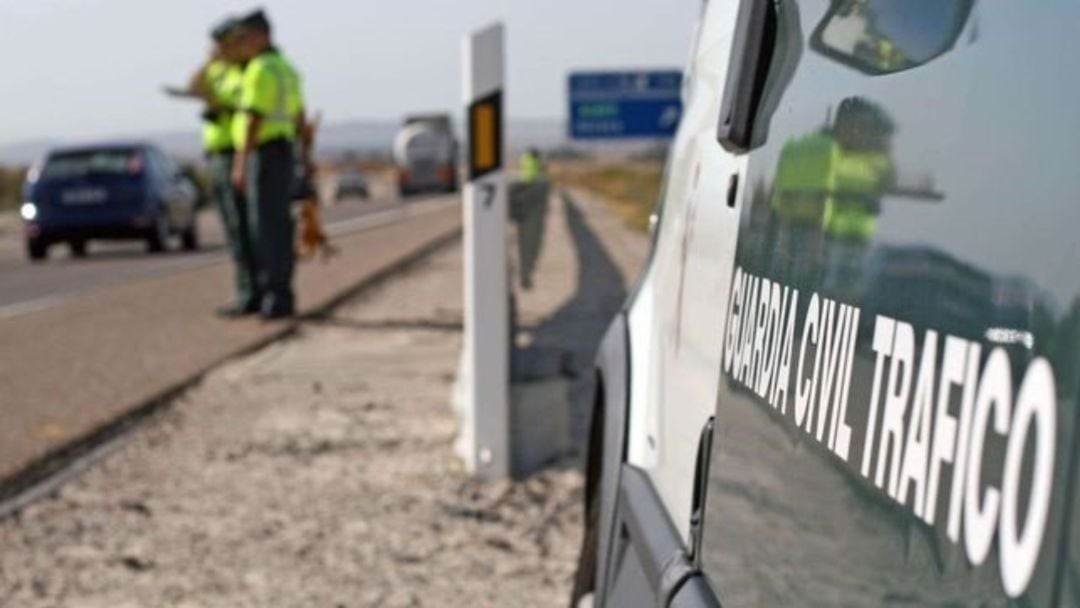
column 159, row 235
column 189, row 239
column 78, row 248
column 37, row 250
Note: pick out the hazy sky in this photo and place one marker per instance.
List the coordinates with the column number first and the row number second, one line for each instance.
column 84, row 68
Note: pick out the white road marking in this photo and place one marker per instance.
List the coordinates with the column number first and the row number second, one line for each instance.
column 21, row 308
column 386, row 216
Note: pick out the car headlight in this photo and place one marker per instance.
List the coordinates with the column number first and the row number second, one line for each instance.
column 28, row 211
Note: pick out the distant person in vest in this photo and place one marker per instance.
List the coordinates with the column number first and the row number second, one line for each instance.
column 532, row 166
column 268, row 125
column 218, row 82
column 529, row 206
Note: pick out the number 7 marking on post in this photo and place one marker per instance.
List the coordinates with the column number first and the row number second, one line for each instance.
column 487, row 195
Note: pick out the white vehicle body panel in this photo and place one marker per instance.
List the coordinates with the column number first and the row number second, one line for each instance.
column 676, row 321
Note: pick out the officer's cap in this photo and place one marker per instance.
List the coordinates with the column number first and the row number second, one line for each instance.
column 227, row 27
column 869, row 112
column 256, row 20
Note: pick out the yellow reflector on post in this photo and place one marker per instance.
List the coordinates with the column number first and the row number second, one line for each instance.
column 485, row 135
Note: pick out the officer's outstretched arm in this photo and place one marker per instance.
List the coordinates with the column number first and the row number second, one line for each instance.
column 198, row 85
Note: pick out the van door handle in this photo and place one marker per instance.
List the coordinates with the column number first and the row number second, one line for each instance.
column 748, row 67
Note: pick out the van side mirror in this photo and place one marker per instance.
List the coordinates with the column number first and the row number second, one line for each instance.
column 885, row 36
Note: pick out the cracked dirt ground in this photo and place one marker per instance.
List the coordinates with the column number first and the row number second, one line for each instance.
column 316, row 472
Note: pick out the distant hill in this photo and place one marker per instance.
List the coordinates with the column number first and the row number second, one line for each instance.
column 363, row 137
column 359, row 137
column 25, row 152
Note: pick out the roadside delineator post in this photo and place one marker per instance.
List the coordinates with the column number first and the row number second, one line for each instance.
column 482, row 392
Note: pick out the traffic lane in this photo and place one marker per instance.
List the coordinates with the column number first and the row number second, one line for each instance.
column 26, row 285
column 381, row 187
column 68, row 369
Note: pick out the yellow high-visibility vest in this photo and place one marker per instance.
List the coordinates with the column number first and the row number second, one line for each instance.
column 223, row 81
column 270, row 88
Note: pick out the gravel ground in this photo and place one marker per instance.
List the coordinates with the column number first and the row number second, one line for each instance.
column 315, row 472
column 10, row 231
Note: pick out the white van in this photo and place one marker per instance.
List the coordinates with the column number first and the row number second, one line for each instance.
column 849, row 374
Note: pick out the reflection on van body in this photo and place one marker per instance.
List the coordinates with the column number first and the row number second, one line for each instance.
column 900, row 277
column 897, row 408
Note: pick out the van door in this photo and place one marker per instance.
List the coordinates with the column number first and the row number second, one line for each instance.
column 650, row 516
column 898, row 394
column 680, row 357
column 646, row 550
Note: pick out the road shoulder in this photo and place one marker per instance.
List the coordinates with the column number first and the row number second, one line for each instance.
column 84, row 366
column 317, row 471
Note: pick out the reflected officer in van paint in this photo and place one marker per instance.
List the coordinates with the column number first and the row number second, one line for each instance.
column 912, row 441
column 878, row 37
column 827, row 192
column 961, row 316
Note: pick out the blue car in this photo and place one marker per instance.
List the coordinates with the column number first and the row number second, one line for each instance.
column 113, row 191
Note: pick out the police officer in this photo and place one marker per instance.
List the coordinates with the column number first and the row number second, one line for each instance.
column 269, row 121
column 865, row 171
column 218, row 84
column 827, row 196
column 532, row 168
column 529, row 205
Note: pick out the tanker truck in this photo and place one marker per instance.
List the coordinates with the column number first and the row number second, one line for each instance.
column 425, row 152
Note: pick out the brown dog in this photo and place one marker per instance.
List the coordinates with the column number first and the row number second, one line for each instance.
column 311, row 237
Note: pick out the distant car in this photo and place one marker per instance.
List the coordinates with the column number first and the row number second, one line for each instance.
column 110, row 191
column 351, row 183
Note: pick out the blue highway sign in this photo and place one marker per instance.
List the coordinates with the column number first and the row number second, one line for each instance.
column 625, row 104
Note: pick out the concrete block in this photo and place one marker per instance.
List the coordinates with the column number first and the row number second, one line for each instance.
column 539, row 424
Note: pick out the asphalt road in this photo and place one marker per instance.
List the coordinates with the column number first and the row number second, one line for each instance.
column 84, row 342
column 27, row 286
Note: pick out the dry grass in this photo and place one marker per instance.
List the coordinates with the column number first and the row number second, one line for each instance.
column 632, row 187
column 11, row 182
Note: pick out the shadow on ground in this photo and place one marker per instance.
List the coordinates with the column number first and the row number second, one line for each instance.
column 565, row 344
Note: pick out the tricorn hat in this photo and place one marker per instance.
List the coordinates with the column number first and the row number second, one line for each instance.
column 256, row 20
column 225, row 28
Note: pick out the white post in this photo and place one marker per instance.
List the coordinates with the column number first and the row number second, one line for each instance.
column 485, row 371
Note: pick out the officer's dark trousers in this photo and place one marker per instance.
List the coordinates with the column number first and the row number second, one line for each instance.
column 529, row 208
column 232, row 206
column 270, row 181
